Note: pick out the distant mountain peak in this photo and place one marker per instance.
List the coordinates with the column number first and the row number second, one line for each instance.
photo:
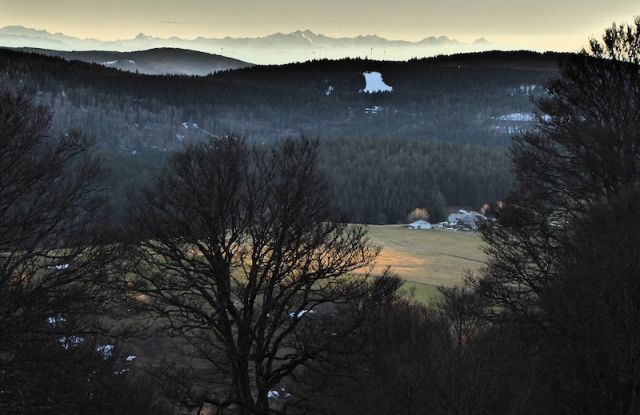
column 142, row 36
column 440, row 40
column 482, row 41
column 18, row 28
column 25, row 31
column 306, row 32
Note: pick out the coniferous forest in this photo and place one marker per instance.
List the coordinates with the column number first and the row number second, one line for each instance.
column 438, row 140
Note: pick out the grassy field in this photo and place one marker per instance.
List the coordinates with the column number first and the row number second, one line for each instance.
column 427, row 259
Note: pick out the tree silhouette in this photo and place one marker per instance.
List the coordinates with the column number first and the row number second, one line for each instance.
column 562, row 261
column 51, row 263
column 238, row 255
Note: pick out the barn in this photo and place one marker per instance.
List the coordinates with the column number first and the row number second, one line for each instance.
column 419, row 224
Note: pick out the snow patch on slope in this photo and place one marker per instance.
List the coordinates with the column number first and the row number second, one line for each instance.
column 375, row 83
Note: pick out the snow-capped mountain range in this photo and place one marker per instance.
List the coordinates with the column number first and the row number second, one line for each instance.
column 275, row 48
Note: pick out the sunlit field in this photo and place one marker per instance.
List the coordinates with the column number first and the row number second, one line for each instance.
column 427, row 259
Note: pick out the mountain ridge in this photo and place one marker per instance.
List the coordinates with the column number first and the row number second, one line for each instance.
column 155, row 61
column 277, row 47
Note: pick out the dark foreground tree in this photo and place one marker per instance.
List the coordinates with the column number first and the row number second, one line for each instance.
column 237, row 254
column 564, row 259
column 553, row 325
column 52, row 355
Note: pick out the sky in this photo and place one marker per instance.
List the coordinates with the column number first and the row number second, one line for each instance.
column 531, row 24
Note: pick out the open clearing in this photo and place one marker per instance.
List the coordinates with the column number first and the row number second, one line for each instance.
column 427, row 259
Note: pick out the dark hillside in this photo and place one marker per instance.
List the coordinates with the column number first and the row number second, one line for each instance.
column 454, row 115
column 160, row 61
column 449, row 99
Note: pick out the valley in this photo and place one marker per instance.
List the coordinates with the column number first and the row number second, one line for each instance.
column 427, row 259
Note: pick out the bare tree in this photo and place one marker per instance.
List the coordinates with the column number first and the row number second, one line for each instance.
column 50, row 206
column 237, row 253
column 583, row 155
column 418, row 214
column 563, row 264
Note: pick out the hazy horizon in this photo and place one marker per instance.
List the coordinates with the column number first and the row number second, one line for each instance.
column 545, row 25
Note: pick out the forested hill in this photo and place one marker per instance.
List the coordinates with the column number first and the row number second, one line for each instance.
column 470, row 103
column 454, row 99
column 152, row 61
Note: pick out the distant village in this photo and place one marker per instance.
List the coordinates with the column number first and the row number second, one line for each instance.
column 462, row 220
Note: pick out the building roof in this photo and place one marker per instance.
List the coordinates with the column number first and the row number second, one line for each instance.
column 420, row 222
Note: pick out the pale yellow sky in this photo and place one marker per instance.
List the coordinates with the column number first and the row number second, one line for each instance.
column 538, row 24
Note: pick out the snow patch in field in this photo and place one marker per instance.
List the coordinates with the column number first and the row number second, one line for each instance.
column 59, row 267
column 375, row 83
column 273, row 394
column 518, row 116
column 106, row 351
column 71, row 341
column 301, row 313
column 528, row 89
column 56, row 319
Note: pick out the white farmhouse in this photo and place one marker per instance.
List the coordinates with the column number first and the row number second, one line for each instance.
column 419, row 224
column 470, row 219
